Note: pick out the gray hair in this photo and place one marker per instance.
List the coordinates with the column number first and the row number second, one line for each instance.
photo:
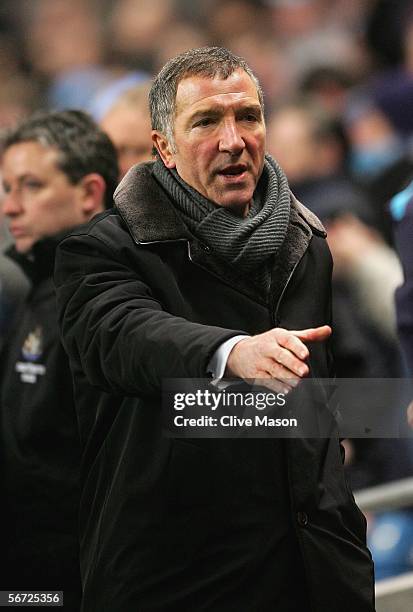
column 206, row 61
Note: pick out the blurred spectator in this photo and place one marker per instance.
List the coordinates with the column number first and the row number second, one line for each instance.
column 292, row 20
column 393, row 89
column 374, row 143
column 136, row 29
column 10, row 58
column 64, row 46
column 310, row 145
column 310, row 34
column 394, row 96
column 328, row 87
column 267, row 59
column 312, row 150
column 107, row 96
column 58, row 170
column 128, row 125
column 379, row 156
column 177, row 39
column 232, row 18
column 63, row 35
column 372, row 267
column 19, row 97
column 75, row 88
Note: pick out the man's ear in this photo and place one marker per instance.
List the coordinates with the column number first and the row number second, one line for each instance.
column 164, row 149
column 93, row 187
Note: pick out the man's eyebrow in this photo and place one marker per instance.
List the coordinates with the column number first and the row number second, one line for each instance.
column 206, row 112
column 19, row 178
column 26, row 175
column 218, row 109
column 250, row 108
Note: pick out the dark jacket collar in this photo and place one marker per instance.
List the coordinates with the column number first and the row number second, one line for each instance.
column 151, row 218
column 38, row 263
column 146, row 208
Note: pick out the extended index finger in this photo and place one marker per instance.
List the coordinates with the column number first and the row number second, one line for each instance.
column 313, row 334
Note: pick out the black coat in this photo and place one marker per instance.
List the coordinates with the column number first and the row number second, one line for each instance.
column 40, row 444
column 217, row 525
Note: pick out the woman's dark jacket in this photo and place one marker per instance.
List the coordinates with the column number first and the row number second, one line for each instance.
column 208, row 524
column 40, row 445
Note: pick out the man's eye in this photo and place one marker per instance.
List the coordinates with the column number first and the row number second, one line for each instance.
column 251, row 117
column 204, row 122
column 32, row 184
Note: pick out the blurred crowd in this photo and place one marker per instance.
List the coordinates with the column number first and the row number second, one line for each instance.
column 338, row 82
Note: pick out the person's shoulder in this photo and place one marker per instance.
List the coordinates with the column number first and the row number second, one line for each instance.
column 100, row 225
column 105, row 232
column 309, row 218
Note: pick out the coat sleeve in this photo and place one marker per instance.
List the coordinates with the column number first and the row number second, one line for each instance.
column 115, row 331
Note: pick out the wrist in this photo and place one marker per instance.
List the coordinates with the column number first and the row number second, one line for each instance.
column 232, row 369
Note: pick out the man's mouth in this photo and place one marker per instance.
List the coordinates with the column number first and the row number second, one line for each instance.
column 16, row 231
column 233, row 170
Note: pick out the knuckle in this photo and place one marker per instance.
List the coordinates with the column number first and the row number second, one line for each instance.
column 278, row 354
column 279, row 333
column 291, row 341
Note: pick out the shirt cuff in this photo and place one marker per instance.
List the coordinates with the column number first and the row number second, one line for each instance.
column 218, row 362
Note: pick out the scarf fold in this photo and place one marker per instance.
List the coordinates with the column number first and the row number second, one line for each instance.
column 248, row 243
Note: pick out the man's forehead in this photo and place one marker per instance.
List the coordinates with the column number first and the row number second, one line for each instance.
column 33, row 148
column 31, row 155
column 201, row 91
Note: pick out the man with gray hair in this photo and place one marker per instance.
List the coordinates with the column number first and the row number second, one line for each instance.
column 207, row 266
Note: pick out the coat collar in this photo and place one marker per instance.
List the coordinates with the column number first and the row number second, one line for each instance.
column 152, row 218
column 146, row 208
column 38, row 263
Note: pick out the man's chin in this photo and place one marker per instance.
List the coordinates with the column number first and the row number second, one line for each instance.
column 238, row 207
column 23, row 247
column 236, row 202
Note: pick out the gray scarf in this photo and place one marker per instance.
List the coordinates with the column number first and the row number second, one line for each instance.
column 248, row 243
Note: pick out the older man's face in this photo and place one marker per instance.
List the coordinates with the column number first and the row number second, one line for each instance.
column 219, row 138
column 129, row 129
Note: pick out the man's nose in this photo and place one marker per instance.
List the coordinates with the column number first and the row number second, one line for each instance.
column 230, row 139
column 11, row 203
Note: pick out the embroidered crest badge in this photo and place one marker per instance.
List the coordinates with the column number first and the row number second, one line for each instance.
column 32, row 348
